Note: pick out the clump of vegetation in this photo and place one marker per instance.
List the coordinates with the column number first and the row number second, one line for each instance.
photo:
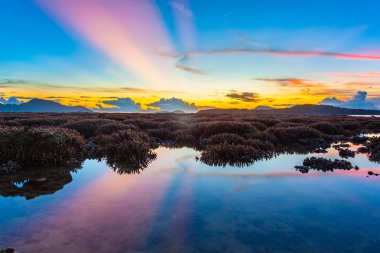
column 373, row 149
column 293, row 135
column 127, row 151
column 223, row 138
column 40, row 146
column 231, row 154
column 327, row 128
column 346, row 153
column 226, row 148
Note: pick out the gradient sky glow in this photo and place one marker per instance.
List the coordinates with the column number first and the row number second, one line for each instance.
column 225, row 54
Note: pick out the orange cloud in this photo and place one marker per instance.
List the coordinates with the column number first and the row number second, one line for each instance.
column 360, row 84
column 292, row 82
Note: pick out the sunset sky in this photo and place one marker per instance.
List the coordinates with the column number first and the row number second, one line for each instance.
column 137, row 54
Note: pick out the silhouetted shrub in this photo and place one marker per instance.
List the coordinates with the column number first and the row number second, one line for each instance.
column 350, row 125
column 373, row 127
column 128, row 149
column 232, row 149
column 111, row 127
column 327, row 128
column 268, row 122
column 87, row 127
column 293, row 135
column 373, row 148
column 287, row 124
column 232, row 154
column 40, row 146
column 262, row 132
column 205, row 130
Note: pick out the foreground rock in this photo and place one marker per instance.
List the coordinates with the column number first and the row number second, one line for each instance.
column 346, row 153
column 371, row 173
column 373, row 147
column 323, row 164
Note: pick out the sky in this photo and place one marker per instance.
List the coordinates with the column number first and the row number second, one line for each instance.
column 136, row 55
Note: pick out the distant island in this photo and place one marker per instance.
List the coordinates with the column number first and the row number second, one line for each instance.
column 41, row 106
column 298, row 109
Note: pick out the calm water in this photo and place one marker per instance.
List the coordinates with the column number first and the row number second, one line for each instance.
column 180, row 205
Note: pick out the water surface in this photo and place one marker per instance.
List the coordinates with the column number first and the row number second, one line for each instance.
column 178, row 204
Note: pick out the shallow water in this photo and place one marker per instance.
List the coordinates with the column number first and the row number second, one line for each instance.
column 178, row 204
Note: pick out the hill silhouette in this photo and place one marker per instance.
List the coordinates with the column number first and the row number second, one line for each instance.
column 41, row 105
column 299, row 109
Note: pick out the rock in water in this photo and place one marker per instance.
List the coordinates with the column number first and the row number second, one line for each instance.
column 8, row 250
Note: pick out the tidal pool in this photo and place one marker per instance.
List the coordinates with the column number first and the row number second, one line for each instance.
column 178, row 204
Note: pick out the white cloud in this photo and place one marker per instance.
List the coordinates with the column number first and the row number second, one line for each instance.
column 174, row 104
column 121, row 105
column 9, row 101
column 359, row 101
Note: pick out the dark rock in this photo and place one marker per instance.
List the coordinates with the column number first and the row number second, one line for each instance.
column 303, row 169
column 373, row 146
column 323, row 164
column 320, row 151
column 371, row 173
column 346, row 153
column 363, row 150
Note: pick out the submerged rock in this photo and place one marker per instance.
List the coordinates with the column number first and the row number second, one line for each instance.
column 323, row 164
column 373, row 146
column 371, row 173
column 346, row 153
column 320, row 151
column 303, row 169
column 363, row 150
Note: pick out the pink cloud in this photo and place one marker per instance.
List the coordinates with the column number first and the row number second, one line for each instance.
column 118, row 29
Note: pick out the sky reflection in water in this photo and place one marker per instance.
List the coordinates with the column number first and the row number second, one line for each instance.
column 180, row 205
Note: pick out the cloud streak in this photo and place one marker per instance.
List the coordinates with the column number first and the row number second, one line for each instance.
column 275, row 52
column 292, row 82
column 183, row 58
column 244, row 96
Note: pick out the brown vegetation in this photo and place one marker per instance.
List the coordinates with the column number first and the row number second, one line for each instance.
column 127, row 141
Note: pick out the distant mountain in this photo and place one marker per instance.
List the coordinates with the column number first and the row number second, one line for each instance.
column 327, row 109
column 299, row 109
column 178, row 112
column 41, row 105
column 263, row 107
